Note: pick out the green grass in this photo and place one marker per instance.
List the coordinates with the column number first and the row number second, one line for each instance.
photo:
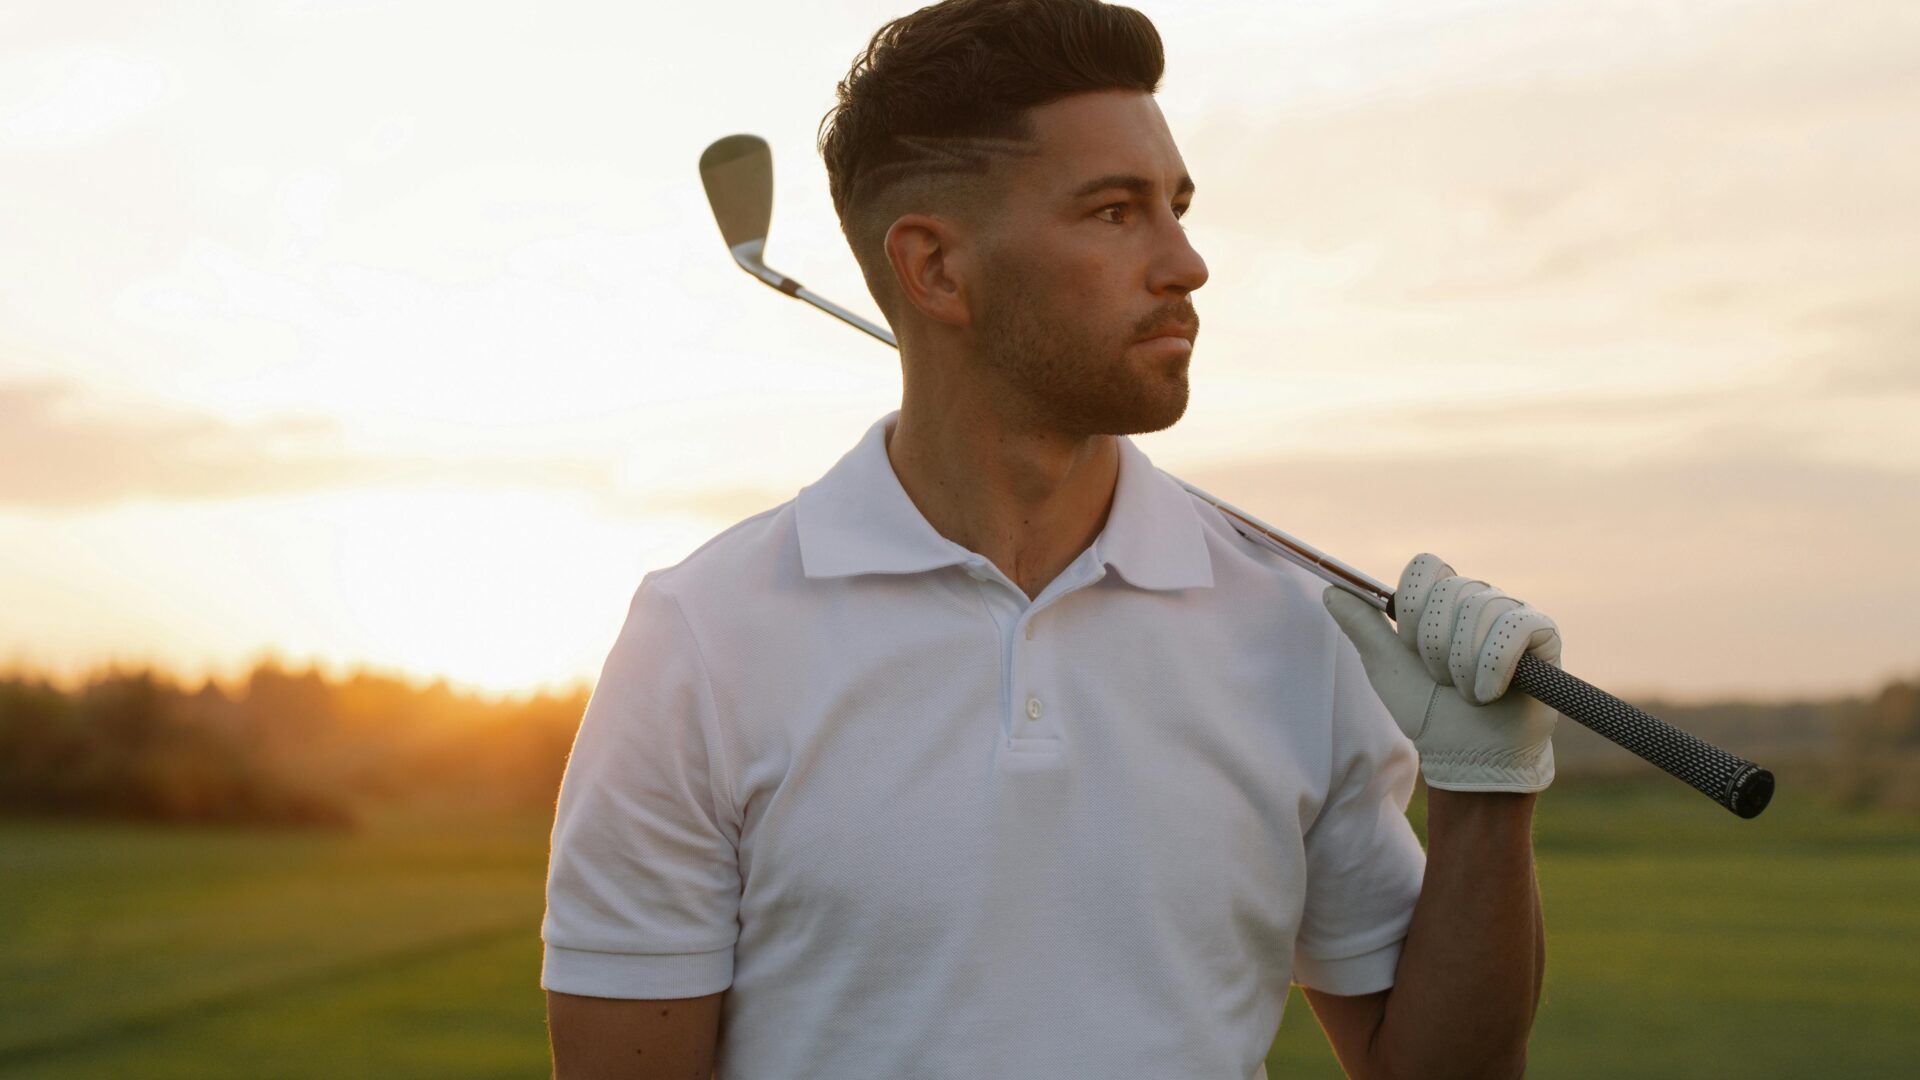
column 1682, row 942
column 1685, row 942
column 410, row 949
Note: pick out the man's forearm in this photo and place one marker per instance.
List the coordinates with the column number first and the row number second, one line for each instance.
column 1470, row 972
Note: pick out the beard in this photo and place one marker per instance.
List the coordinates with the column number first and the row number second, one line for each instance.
column 1074, row 378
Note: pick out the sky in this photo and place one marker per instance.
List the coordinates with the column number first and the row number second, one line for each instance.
column 400, row 335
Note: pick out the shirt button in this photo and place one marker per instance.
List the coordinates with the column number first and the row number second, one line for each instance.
column 1033, row 708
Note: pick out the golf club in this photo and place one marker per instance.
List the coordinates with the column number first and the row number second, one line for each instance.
column 737, row 172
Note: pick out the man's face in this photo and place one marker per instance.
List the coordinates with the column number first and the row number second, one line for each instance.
column 1086, row 261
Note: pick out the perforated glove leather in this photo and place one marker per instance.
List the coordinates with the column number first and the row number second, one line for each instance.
column 1444, row 674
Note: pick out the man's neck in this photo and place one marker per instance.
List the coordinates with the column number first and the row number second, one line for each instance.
column 1029, row 500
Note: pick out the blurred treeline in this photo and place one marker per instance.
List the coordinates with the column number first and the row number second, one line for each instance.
column 293, row 747
column 282, row 747
column 1857, row 752
column 1878, row 760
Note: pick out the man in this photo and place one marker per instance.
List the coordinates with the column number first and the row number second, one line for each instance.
column 996, row 754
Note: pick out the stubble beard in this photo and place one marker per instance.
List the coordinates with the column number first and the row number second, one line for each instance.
column 1075, row 380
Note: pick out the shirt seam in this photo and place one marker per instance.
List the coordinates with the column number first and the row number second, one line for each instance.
column 1002, row 655
column 716, row 746
column 1356, row 945
column 623, row 952
column 1332, row 714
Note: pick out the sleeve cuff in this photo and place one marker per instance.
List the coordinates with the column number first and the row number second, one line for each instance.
column 1366, row 973
column 636, row 975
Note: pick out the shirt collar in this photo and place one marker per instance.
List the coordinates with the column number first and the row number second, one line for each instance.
column 857, row 519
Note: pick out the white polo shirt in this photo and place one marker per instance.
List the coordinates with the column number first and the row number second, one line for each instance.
column 920, row 826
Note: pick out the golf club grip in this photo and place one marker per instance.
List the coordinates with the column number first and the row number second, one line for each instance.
column 1735, row 783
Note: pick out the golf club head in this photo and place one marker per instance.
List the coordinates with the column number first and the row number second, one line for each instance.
column 738, row 174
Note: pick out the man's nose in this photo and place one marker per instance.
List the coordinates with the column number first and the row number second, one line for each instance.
column 1178, row 266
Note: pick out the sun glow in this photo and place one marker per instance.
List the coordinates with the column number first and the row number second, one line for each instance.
column 497, row 590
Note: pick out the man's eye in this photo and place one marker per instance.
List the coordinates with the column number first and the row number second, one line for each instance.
column 1120, row 208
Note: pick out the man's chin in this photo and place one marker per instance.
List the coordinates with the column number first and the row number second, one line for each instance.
column 1146, row 415
column 1163, row 420
column 1167, row 407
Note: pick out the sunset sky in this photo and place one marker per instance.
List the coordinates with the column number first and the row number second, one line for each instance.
column 401, row 334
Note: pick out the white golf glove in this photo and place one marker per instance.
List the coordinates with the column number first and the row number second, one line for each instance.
column 1444, row 673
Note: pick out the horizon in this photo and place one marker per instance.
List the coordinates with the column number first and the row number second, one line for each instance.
column 232, row 682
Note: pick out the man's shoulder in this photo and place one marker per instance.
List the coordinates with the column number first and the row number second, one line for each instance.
column 741, row 561
column 1247, row 566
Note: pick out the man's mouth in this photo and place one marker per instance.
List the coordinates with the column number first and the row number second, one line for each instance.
column 1181, row 331
column 1176, row 335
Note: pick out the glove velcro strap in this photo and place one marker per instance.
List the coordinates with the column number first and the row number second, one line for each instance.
column 1527, row 768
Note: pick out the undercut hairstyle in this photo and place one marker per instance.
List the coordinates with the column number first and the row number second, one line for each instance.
column 935, row 107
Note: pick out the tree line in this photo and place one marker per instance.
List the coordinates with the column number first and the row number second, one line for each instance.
column 297, row 748
column 283, row 747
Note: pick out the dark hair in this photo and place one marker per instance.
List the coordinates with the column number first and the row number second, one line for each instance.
column 941, row 95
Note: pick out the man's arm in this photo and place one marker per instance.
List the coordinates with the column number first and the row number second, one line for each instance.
column 1470, row 973
column 643, row 881
column 603, row 1038
column 1468, row 978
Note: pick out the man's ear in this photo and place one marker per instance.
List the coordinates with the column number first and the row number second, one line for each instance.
column 929, row 266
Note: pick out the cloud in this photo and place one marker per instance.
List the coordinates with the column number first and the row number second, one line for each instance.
column 728, row 505
column 62, row 453
column 83, row 94
column 1557, row 411
column 1757, row 144
column 1876, row 347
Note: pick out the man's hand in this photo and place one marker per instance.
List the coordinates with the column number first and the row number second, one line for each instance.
column 1444, row 676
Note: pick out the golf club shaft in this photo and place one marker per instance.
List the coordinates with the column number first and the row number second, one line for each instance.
column 749, row 261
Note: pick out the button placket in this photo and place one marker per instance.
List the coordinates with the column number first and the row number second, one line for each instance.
column 1027, row 699
column 1031, row 705
column 1014, row 616
column 1005, row 613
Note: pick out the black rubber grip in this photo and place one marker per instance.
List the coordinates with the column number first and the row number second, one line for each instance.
column 1735, row 783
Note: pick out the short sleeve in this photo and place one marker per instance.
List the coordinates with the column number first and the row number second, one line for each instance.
column 643, row 882
column 1364, row 863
